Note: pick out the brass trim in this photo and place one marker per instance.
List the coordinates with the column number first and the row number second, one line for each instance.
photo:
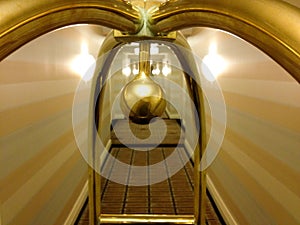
column 105, row 54
column 254, row 21
column 23, row 21
column 195, row 91
column 145, row 218
column 144, row 59
column 121, row 37
column 92, row 193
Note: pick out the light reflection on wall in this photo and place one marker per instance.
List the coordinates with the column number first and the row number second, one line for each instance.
column 84, row 63
column 213, row 64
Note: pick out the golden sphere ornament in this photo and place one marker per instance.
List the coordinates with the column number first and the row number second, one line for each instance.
column 142, row 99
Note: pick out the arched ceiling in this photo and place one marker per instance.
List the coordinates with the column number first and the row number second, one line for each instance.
column 93, row 34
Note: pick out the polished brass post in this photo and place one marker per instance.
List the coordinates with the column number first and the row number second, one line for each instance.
column 183, row 52
column 107, row 52
column 144, row 59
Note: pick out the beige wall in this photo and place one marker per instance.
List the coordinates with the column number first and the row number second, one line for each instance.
column 257, row 172
column 42, row 172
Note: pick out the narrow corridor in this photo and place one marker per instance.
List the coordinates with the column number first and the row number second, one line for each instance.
column 174, row 196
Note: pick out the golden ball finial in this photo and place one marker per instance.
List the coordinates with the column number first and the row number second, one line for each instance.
column 142, row 99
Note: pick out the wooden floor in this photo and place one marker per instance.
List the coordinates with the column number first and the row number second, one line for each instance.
column 173, row 196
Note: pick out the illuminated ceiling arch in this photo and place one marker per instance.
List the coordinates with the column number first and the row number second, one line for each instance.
column 257, row 22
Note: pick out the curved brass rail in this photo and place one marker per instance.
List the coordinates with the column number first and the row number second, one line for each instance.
column 188, row 64
column 22, row 21
column 270, row 25
column 107, row 52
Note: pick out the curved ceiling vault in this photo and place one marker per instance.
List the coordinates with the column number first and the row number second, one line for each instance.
column 250, row 20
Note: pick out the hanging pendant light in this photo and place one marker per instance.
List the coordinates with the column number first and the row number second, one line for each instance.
column 142, row 99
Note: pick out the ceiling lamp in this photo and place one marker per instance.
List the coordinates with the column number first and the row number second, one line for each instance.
column 142, row 99
column 166, row 70
column 213, row 64
column 135, row 69
column 156, row 70
column 84, row 63
column 126, row 70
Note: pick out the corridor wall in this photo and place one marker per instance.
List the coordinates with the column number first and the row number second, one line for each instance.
column 42, row 173
column 255, row 177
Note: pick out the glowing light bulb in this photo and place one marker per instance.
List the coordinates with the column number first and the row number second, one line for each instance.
column 156, row 70
column 84, row 63
column 126, row 71
column 135, row 70
column 213, row 64
column 166, row 70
